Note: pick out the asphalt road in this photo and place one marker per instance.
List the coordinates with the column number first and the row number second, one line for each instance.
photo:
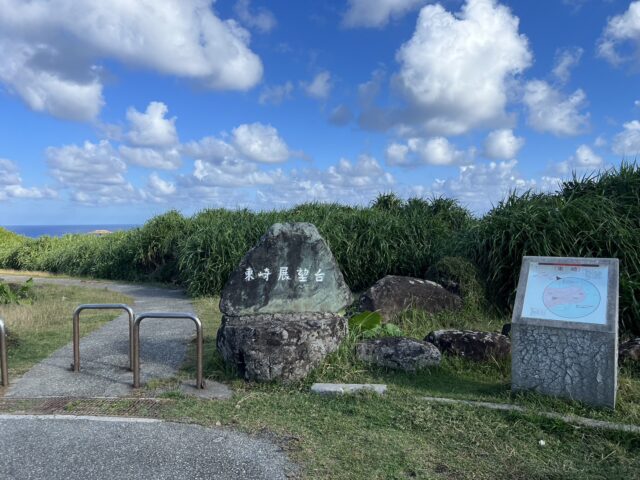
column 88, row 448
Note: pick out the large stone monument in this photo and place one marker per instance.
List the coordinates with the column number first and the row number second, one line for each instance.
column 564, row 330
column 282, row 306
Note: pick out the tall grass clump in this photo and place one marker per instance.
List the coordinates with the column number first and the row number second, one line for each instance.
column 368, row 242
column 9, row 242
column 593, row 216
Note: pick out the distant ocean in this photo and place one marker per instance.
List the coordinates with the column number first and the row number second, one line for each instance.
column 35, row 231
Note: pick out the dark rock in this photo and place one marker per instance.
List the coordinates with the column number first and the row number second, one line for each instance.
column 399, row 353
column 472, row 345
column 310, row 282
column 506, row 330
column 629, row 350
column 279, row 346
column 393, row 294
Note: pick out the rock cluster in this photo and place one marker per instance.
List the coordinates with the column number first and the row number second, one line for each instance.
column 478, row 346
column 281, row 306
column 399, row 353
column 393, row 294
column 629, row 350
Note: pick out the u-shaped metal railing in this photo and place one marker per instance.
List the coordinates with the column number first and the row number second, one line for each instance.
column 99, row 306
column 4, row 366
column 136, row 343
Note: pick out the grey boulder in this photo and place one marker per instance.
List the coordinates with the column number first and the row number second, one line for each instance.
column 470, row 344
column 290, row 270
column 394, row 294
column 282, row 347
column 629, row 350
column 399, row 353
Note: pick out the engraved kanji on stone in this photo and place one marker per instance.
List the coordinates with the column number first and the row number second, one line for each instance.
column 248, row 275
column 284, row 274
column 266, row 273
column 303, row 274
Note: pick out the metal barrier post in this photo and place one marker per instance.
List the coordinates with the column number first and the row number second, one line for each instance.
column 99, row 306
column 136, row 344
column 4, row 365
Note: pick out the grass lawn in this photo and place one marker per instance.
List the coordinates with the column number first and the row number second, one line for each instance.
column 402, row 436
column 397, row 436
column 41, row 325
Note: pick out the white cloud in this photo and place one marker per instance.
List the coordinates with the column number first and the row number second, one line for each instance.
column 320, row 87
column 51, row 48
column 239, row 182
column 481, row 186
column 234, row 173
column 621, row 30
column 11, row 184
column 455, row 69
column 396, row 154
column 160, row 187
column 627, row 143
column 211, row 149
column 262, row 19
column 93, row 173
column 566, row 60
column 585, row 161
column 260, row 143
column 549, row 111
column 346, row 182
column 48, row 91
column 8, row 173
column 165, row 159
column 254, row 142
column 600, row 141
column 377, row 13
column 152, row 129
column 434, row 151
column 502, row 145
column 276, row 94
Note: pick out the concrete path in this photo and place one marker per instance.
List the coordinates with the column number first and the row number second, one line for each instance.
column 104, row 353
column 88, row 448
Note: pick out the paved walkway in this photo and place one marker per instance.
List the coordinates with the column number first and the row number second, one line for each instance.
column 104, row 353
column 87, row 448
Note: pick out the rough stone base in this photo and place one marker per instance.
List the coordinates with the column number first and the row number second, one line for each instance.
column 478, row 346
column 399, row 353
column 576, row 364
column 279, row 346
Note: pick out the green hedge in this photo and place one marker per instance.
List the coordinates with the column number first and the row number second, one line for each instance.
column 596, row 216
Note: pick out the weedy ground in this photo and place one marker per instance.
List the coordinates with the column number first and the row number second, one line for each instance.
column 400, row 435
column 41, row 324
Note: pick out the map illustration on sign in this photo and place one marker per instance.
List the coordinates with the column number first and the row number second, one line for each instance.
column 571, row 297
column 567, row 292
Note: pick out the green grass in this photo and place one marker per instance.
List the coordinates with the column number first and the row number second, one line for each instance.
column 39, row 328
column 396, row 436
column 402, row 436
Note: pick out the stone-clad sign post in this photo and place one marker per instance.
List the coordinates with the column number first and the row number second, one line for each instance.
column 565, row 329
column 282, row 306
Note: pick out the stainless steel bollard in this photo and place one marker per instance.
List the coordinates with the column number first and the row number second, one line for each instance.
column 4, row 365
column 136, row 343
column 99, row 306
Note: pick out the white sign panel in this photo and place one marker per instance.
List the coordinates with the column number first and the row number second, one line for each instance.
column 570, row 292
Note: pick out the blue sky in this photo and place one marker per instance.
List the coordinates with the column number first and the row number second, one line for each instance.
column 112, row 111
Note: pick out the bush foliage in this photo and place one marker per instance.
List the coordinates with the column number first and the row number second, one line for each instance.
column 592, row 216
